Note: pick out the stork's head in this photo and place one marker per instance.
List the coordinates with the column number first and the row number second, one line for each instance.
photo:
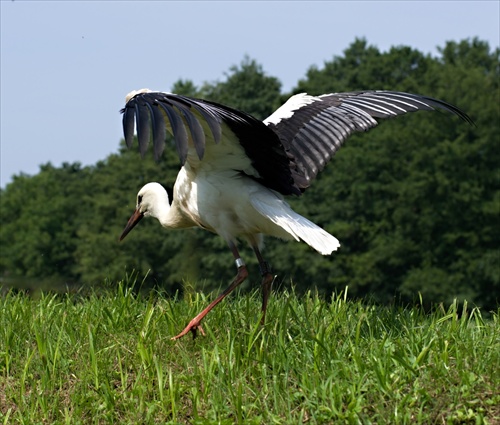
column 150, row 199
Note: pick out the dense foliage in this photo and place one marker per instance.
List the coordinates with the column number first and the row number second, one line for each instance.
column 415, row 203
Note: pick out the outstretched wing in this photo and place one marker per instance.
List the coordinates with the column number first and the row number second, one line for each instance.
column 285, row 152
column 208, row 133
column 313, row 128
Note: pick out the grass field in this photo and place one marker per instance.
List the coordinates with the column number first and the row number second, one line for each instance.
column 109, row 359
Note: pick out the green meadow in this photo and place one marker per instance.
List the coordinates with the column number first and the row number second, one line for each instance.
column 107, row 358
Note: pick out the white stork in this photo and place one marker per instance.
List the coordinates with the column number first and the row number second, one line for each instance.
column 236, row 169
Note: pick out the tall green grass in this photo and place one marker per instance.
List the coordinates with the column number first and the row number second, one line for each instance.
column 109, row 359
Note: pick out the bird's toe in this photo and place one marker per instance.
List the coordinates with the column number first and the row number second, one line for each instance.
column 192, row 327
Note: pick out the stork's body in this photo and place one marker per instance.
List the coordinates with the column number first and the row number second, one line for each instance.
column 235, row 206
column 236, row 169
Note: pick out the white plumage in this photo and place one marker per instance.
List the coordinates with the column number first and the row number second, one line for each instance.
column 236, row 169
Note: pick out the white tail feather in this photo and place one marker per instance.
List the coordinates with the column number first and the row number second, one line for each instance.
column 297, row 226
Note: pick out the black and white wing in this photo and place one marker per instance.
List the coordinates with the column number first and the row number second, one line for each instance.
column 313, row 128
column 203, row 131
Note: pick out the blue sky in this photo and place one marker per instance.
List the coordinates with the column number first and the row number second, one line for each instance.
column 67, row 66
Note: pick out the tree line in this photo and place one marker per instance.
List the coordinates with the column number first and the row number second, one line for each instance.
column 415, row 202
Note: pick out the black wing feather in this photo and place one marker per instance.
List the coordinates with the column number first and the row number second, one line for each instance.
column 159, row 132
column 128, row 125
column 143, row 132
column 195, row 127
column 212, row 119
column 178, row 130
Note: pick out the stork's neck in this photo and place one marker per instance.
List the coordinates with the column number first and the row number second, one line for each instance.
column 169, row 216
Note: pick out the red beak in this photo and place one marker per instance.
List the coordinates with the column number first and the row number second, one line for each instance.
column 132, row 221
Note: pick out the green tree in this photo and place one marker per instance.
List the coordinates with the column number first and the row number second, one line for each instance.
column 415, row 202
column 247, row 88
column 40, row 217
column 363, row 67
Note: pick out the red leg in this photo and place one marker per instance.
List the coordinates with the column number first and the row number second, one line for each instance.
column 242, row 274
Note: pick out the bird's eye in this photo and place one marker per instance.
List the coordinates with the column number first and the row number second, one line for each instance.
column 139, row 199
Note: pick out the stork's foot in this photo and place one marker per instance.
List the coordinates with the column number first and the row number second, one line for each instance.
column 193, row 327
